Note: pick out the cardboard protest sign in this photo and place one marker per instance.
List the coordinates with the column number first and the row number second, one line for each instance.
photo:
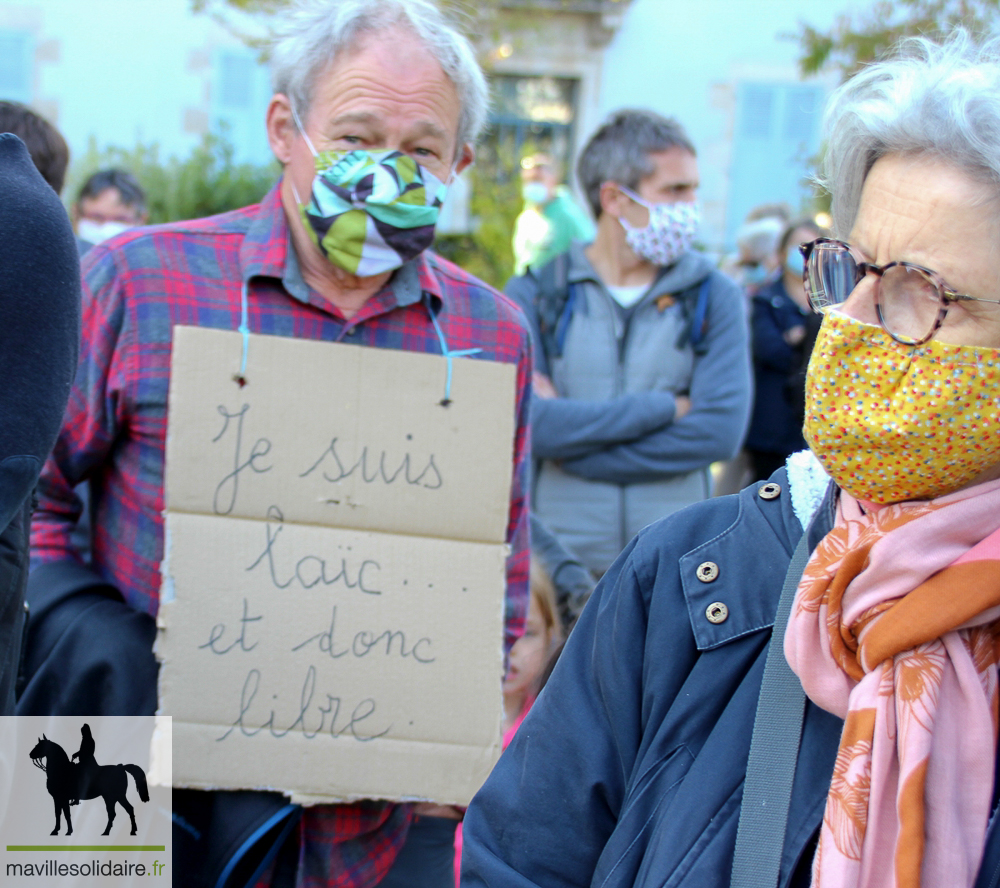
column 331, row 616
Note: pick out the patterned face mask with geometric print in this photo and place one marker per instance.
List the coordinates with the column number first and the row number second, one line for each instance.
column 370, row 211
column 668, row 235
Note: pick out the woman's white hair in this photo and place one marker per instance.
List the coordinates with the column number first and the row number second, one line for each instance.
column 937, row 99
column 311, row 34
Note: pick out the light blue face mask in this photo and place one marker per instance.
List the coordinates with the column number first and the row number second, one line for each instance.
column 754, row 274
column 534, row 193
column 794, row 261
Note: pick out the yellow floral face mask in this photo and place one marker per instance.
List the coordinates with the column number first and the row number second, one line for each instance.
column 892, row 422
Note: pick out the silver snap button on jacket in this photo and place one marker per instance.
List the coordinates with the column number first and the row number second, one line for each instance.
column 717, row 612
column 707, row 571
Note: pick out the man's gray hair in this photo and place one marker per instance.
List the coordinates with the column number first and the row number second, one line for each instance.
column 619, row 151
column 311, row 34
column 935, row 99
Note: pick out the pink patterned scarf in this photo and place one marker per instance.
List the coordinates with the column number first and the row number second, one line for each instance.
column 895, row 629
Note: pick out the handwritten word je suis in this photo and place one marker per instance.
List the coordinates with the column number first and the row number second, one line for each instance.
column 228, row 488
column 371, row 467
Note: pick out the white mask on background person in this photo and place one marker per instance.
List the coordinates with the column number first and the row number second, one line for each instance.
column 669, row 233
column 97, row 232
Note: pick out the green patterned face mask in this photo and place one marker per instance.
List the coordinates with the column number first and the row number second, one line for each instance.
column 371, row 211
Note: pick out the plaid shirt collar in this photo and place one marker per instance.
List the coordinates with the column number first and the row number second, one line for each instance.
column 267, row 251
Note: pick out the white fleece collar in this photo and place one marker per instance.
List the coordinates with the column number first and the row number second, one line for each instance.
column 807, row 484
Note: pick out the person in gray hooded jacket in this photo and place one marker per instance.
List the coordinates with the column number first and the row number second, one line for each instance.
column 641, row 348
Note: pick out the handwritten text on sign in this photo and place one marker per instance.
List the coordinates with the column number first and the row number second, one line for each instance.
column 332, row 607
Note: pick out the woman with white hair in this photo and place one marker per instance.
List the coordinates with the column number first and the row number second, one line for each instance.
column 633, row 765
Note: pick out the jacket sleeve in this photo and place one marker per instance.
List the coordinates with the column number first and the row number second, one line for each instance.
column 518, row 525
column 562, row 428
column 550, row 805
column 573, row 582
column 93, row 415
column 721, row 397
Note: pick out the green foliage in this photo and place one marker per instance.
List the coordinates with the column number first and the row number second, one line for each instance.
column 495, row 203
column 206, row 182
column 856, row 39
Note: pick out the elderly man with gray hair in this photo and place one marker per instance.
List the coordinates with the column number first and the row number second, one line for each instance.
column 395, row 86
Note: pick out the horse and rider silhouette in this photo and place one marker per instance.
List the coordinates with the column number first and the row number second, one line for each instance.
column 67, row 782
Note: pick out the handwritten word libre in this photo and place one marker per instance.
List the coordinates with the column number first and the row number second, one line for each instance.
column 310, row 721
column 333, row 465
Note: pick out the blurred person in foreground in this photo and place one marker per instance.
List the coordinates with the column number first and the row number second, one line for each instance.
column 784, row 330
column 390, row 87
column 39, row 338
column 629, row 769
column 551, row 219
column 108, row 203
column 641, row 348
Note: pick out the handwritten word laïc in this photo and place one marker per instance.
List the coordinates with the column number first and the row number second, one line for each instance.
column 309, row 720
column 311, row 570
column 388, row 642
column 371, row 468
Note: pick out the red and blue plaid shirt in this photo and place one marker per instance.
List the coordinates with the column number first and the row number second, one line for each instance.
column 136, row 289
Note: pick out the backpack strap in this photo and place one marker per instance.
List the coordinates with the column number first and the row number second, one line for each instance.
column 699, row 318
column 694, row 304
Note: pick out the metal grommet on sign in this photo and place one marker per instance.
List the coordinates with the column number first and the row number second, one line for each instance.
column 769, row 491
column 717, row 612
column 707, row 571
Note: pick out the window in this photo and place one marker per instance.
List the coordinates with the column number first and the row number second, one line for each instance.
column 775, row 140
column 241, row 91
column 530, row 114
column 16, row 65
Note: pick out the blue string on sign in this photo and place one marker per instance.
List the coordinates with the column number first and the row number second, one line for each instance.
column 448, row 355
column 240, row 378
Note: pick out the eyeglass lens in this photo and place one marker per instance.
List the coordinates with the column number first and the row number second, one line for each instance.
column 908, row 300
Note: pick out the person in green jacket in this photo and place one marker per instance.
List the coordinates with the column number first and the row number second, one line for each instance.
column 551, row 218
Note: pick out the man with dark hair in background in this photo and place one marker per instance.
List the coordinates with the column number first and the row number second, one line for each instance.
column 109, row 202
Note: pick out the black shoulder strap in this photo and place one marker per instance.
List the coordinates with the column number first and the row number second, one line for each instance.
column 551, row 302
column 774, row 752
